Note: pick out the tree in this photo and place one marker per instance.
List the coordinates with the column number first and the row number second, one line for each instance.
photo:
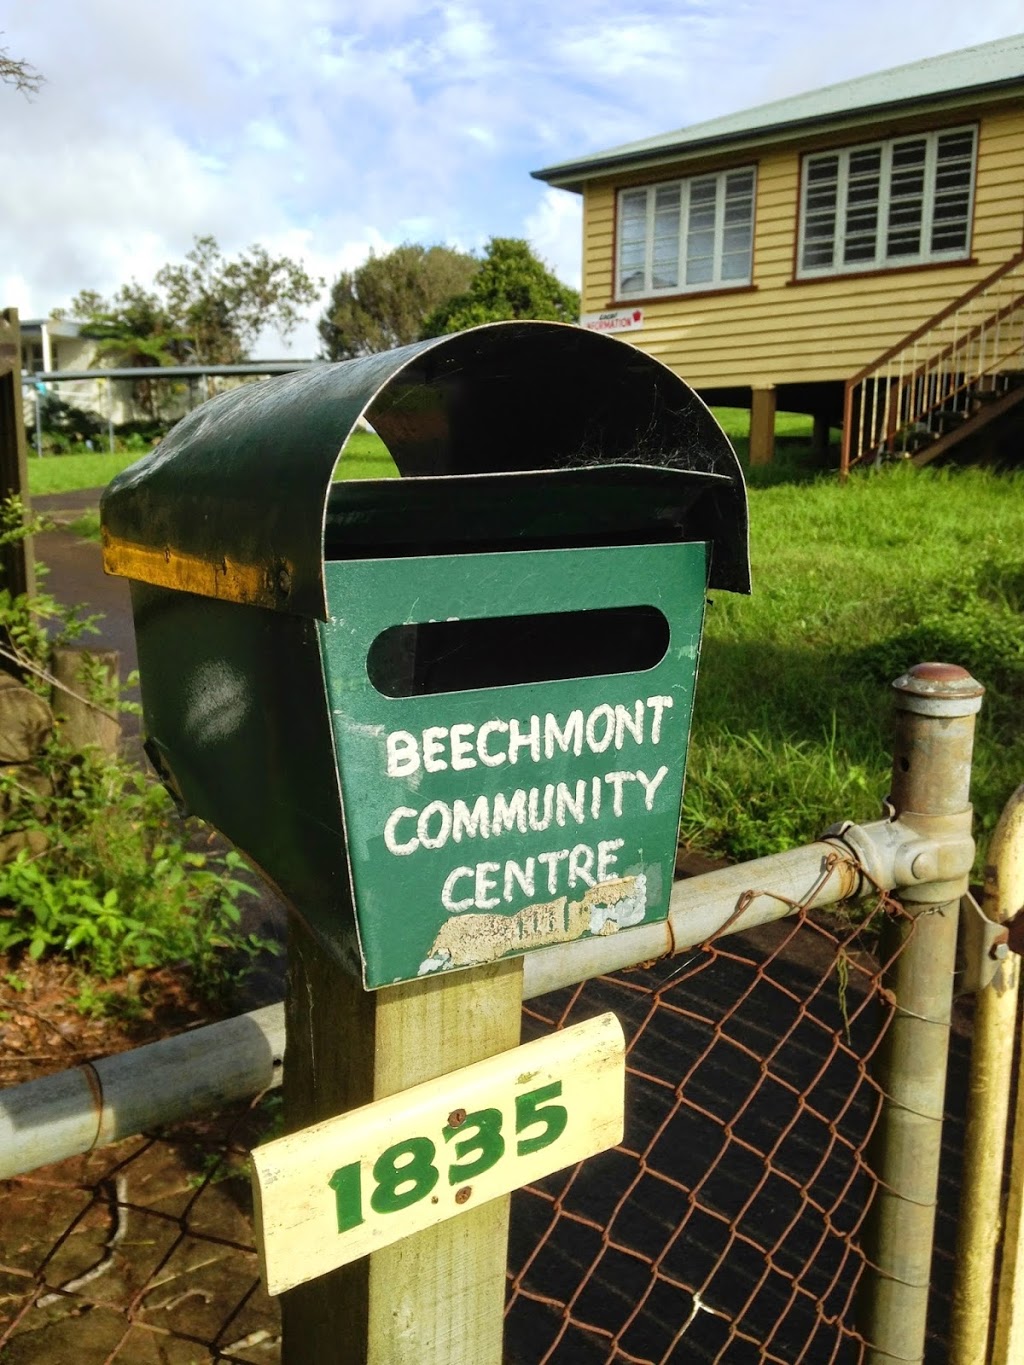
column 221, row 306
column 207, row 311
column 134, row 328
column 511, row 283
column 386, row 301
column 19, row 73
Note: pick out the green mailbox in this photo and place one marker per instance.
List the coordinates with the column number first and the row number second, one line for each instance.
column 446, row 714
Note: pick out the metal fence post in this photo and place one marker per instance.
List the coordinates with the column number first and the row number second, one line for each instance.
column 986, row 1141
column 935, row 709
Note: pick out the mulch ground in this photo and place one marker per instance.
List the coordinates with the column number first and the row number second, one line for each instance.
column 44, row 1027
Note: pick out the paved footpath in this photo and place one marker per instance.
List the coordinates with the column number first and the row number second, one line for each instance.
column 76, row 573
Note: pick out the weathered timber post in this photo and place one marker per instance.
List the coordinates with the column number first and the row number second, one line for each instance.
column 17, row 562
column 87, row 722
column 935, row 709
column 435, row 1298
column 762, row 425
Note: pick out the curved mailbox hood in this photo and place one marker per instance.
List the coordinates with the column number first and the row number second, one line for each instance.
column 448, row 713
column 236, row 503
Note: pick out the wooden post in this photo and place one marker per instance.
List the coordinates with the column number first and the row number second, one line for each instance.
column 762, row 425
column 820, row 437
column 437, row 1296
column 87, row 723
column 17, row 562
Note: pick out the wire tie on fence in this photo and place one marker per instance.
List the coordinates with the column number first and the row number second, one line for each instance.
column 747, row 898
column 681, row 968
column 922, row 1018
column 699, row 1306
column 908, row 1109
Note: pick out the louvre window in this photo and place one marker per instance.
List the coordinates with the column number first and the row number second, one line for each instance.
column 906, row 201
column 686, row 234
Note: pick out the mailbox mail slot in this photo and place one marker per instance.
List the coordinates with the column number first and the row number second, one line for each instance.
column 447, row 714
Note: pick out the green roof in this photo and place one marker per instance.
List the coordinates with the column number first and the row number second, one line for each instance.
column 963, row 74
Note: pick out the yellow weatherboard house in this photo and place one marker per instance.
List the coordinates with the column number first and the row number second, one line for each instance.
column 854, row 253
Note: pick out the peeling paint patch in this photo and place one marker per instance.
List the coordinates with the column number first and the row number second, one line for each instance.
column 472, row 940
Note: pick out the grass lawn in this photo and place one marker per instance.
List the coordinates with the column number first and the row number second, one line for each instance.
column 365, row 458
column 851, row 585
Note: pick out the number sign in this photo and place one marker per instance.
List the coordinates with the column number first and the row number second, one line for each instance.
column 350, row 1185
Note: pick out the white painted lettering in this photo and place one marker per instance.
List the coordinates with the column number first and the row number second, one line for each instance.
column 617, row 781
column 403, row 754
column 595, row 798
column 462, row 748
column 603, row 712
column 485, row 884
column 505, row 813
column 468, row 823
column 551, row 861
column 569, row 738
column 607, row 850
column 433, row 747
column 651, row 785
column 391, row 843
column 659, row 705
column 633, row 723
column 525, row 876
column 540, row 823
column 530, row 740
column 490, row 727
column 574, row 804
column 448, row 891
column 444, row 828
column 581, row 865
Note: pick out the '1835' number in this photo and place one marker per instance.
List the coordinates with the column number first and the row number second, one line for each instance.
column 406, row 1172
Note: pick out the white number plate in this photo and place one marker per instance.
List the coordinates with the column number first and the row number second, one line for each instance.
column 347, row 1186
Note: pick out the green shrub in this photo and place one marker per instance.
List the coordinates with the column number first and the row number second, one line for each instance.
column 108, row 873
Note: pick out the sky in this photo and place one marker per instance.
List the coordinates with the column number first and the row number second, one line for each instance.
column 327, row 129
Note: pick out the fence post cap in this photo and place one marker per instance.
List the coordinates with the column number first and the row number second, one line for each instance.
column 938, row 689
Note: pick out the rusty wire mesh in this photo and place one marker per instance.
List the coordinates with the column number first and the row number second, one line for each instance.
column 727, row 1227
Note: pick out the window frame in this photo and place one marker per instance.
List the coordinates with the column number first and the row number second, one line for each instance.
column 716, row 284
column 882, row 259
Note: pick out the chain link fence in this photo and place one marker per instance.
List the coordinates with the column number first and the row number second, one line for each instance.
column 726, row 1227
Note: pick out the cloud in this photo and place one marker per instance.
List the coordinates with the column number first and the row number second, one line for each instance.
column 553, row 230
column 327, row 128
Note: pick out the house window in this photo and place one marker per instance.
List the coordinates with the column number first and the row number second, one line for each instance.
column 902, row 202
column 31, row 357
column 686, row 234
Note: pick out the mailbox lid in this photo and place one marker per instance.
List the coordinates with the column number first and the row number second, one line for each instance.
column 485, row 821
column 232, row 504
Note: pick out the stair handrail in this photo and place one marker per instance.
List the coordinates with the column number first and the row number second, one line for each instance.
column 938, row 317
column 980, row 287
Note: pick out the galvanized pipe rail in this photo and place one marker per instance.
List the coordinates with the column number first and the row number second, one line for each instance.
column 177, row 1078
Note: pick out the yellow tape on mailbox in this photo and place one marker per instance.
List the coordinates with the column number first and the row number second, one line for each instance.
column 350, row 1185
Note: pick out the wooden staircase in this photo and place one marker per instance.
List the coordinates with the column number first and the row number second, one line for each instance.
column 952, row 379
